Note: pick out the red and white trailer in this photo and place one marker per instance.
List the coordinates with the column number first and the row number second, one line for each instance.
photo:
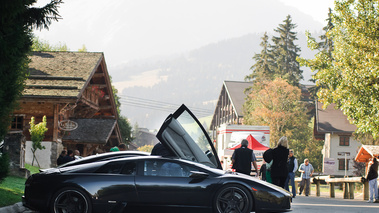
column 228, row 136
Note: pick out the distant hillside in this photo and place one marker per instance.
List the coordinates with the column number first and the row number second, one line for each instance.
column 194, row 78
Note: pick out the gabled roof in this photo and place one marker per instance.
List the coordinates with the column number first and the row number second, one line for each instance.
column 230, row 102
column 366, row 152
column 91, row 130
column 60, row 74
column 332, row 120
column 236, row 93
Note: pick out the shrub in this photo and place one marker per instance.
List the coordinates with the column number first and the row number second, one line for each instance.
column 4, row 166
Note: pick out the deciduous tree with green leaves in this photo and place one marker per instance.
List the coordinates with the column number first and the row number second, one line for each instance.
column 351, row 79
column 277, row 104
column 43, row 45
column 17, row 19
column 37, row 134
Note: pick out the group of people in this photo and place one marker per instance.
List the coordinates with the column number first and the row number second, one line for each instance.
column 280, row 168
column 67, row 156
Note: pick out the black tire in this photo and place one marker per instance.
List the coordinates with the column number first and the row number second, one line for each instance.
column 71, row 200
column 233, row 198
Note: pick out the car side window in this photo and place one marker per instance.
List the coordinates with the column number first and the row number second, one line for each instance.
column 128, row 168
column 167, row 169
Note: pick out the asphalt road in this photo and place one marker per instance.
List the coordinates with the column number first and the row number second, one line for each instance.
column 313, row 204
column 300, row 204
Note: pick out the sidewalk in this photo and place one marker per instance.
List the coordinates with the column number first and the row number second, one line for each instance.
column 16, row 208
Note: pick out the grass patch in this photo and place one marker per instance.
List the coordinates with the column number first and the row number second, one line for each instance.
column 32, row 169
column 11, row 190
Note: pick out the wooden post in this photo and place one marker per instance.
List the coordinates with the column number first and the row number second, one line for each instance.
column 310, row 188
column 317, row 188
column 365, row 190
column 351, row 190
column 331, row 190
column 345, row 190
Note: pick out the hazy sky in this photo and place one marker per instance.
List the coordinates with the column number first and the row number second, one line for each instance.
column 126, row 30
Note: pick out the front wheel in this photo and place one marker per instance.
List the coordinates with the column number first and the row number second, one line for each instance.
column 233, row 199
column 71, row 200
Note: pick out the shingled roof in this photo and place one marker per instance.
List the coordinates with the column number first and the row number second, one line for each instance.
column 95, row 131
column 331, row 120
column 60, row 74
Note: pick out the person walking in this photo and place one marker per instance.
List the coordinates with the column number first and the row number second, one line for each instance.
column 243, row 157
column 279, row 169
column 306, row 170
column 372, row 176
column 292, row 168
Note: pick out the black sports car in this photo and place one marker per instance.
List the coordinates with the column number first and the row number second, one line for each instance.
column 104, row 156
column 192, row 179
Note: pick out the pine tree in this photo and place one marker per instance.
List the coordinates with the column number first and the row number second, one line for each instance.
column 326, row 41
column 285, row 53
column 262, row 69
column 323, row 59
column 17, row 19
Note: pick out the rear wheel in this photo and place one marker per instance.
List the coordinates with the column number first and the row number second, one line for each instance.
column 71, row 200
column 233, row 199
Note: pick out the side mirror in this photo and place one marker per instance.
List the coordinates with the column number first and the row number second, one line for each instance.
column 198, row 175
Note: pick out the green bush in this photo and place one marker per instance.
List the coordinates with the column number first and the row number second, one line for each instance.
column 4, row 166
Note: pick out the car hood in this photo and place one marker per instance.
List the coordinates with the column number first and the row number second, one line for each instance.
column 183, row 135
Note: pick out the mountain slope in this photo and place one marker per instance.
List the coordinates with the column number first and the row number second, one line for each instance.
column 194, row 78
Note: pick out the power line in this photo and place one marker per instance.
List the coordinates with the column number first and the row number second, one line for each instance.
column 148, row 103
column 167, row 108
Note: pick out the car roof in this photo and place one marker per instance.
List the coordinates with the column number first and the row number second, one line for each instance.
column 107, row 155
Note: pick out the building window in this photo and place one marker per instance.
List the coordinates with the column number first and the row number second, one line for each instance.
column 17, row 123
column 341, row 164
column 344, row 140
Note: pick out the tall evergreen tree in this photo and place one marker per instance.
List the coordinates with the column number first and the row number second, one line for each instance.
column 17, row 19
column 262, row 69
column 326, row 41
column 325, row 48
column 285, row 53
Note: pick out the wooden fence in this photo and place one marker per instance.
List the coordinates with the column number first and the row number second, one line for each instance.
column 347, row 183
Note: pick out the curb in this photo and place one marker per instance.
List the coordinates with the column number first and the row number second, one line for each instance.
column 16, row 208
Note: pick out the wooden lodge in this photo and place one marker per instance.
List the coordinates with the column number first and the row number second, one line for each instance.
column 74, row 91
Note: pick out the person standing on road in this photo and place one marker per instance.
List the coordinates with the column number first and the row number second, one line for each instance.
column 243, row 157
column 306, row 170
column 292, row 167
column 279, row 169
column 372, row 176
